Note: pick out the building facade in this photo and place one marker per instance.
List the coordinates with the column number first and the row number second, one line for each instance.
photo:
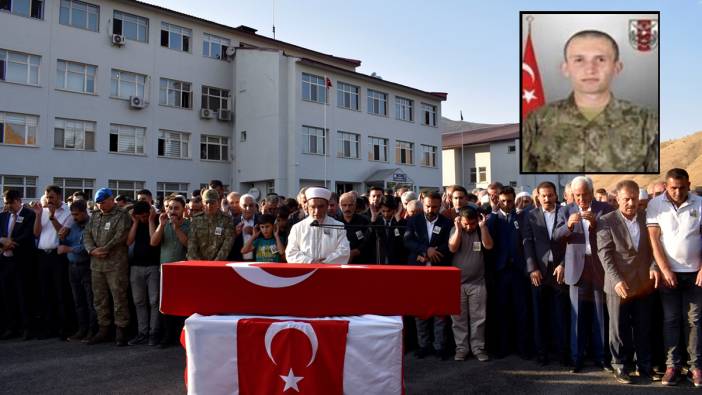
column 130, row 95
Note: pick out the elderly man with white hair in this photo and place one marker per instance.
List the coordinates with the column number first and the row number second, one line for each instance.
column 577, row 227
column 318, row 238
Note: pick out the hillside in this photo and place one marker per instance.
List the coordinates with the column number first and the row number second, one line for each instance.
column 685, row 152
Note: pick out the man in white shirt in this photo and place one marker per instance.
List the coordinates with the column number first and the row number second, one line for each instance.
column 318, row 238
column 52, row 267
column 673, row 220
column 625, row 253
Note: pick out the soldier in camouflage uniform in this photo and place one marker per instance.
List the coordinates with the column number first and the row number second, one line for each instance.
column 105, row 240
column 212, row 233
column 591, row 131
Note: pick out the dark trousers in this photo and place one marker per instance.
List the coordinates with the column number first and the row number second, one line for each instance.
column 82, row 289
column 629, row 332
column 13, row 283
column 172, row 327
column 587, row 316
column 512, row 310
column 550, row 311
column 53, row 279
column 437, row 325
column 681, row 310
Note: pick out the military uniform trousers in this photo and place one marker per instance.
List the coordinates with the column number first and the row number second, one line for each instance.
column 112, row 284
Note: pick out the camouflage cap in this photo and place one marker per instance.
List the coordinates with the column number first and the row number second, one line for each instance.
column 210, row 195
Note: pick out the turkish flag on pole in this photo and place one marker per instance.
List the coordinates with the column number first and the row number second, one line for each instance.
column 532, row 90
column 305, row 357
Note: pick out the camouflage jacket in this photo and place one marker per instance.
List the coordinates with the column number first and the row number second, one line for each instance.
column 622, row 138
column 108, row 230
column 211, row 237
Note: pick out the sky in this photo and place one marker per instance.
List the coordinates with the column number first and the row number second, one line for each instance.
column 469, row 49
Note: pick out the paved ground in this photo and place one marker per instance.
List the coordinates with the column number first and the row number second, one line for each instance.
column 50, row 366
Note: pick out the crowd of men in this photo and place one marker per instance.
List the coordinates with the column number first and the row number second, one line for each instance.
column 608, row 276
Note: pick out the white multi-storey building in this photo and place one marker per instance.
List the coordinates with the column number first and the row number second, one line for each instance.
column 122, row 94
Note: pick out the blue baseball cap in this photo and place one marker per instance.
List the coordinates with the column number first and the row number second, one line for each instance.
column 102, row 194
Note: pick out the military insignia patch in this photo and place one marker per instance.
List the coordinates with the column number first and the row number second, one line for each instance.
column 643, row 34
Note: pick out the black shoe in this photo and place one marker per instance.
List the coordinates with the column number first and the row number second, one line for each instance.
column 622, row 376
column 604, row 366
column 140, row 339
column 577, row 367
column 649, row 376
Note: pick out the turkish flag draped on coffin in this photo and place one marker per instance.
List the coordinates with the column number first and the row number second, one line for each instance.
column 532, row 89
column 305, row 357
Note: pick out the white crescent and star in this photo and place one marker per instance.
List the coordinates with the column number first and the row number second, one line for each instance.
column 303, row 327
column 529, row 95
column 260, row 277
column 529, row 70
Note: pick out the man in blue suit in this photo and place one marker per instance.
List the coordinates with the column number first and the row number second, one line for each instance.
column 508, row 267
column 577, row 227
column 545, row 265
column 426, row 239
column 17, row 251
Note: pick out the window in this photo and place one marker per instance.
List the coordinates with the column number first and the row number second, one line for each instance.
column 175, row 93
column 348, row 145
column 74, row 134
column 377, row 102
column 214, row 148
column 173, row 144
column 482, row 174
column 428, row 155
column 76, row 77
column 164, row 189
column 19, row 67
column 473, row 175
column 25, row 185
column 378, row 149
column 127, row 188
column 313, row 88
column 403, row 109
column 72, row 185
column 429, row 114
column 28, row 8
column 314, row 140
column 215, row 47
column 513, row 184
column 404, row 152
column 347, row 96
column 127, row 139
column 215, row 98
column 125, row 84
column 175, row 37
column 511, row 149
column 18, row 129
column 130, row 26
column 79, row 14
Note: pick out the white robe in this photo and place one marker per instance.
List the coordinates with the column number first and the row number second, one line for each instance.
column 310, row 244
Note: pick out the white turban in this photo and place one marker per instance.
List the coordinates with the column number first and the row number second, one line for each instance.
column 318, row 193
column 521, row 194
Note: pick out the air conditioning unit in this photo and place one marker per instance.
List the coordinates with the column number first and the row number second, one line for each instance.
column 206, row 113
column 117, row 40
column 224, row 115
column 136, row 102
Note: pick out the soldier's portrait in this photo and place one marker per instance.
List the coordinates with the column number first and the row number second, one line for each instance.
column 589, row 92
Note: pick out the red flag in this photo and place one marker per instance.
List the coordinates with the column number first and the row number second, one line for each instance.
column 329, row 84
column 532, row 90
column 305, row 357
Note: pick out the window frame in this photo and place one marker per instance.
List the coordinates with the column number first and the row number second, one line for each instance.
column 66, row 72
column 162, row 189
column 84, row 131
column 223, row 145
column 404, row 107
column 385, row 150
column 87, row 185
column 120, row 128
column 342, row 138
column 30, row 67
column 205, row 98
column 117, row 189
column 307, row 136
column 429, row 110
column 317, row 87
column 136, row 82
column 136, row 21
column 171, row 28
column 13, row 11
column 88, row 7
column 431, row 150
column 26, row 129
column 171, row 87
column 183, row 140
column 342, row 91
column 24, row 187
column 209, row 39
column 399, row 149
column 373, row 98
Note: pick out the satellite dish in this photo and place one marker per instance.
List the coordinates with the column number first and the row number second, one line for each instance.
column 255, row 193
column 230, row 51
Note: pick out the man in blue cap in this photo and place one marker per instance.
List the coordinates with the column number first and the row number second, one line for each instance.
column 105, row 240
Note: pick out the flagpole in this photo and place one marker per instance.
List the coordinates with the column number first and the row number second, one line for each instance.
column 529, row 18
column 463, row 165
column 326, row 132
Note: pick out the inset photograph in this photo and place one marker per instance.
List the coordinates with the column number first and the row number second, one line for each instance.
column 589, row 92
